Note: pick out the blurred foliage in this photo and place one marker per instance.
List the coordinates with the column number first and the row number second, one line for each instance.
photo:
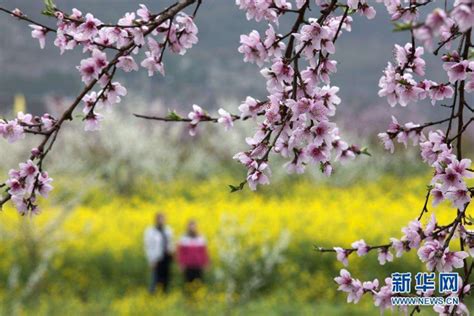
column 84, row 254
column 128, row 151
column 89, row 257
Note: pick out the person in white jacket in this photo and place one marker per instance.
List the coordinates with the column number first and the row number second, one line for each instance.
column 158, row 240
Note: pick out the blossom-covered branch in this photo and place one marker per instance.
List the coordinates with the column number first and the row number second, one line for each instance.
column 171, row 27
column 297, row 66
column 295, row 120
column 403, row 83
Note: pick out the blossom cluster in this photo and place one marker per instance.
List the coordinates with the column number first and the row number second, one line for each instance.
column 171, row 29
column 382, row 295
column 14, row 130
column 399, row 86
column 25, row 184
column 403, row 83
column 297, row 114
column 127, row 36
column 431, row 243
column 295, row 120
column 448, row 182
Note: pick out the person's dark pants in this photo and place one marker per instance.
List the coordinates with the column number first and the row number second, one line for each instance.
column 161, row 274
column 192, row 274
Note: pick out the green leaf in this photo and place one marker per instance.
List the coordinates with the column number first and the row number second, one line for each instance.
column 49, row 8
column 234, row 188
column 365, row 151
column 401, row 27
column 471, row 53
column 470, row 219
column 174, row 116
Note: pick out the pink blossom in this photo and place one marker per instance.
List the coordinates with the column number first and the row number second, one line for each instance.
column 39, row 33
column 344, row 281
column 326, row 168
column 297, row 165
column 20, row 204
column 326, row 68
column 89, row 70
column 127, row 20
column 469, row 85
column 371, row 286
column 463, row 15
column 113, row 93
column 412, row 234
column 89, row 28
column 153, row 64
column 459, row 197
column 89, row 100
column 367, row 11
column 447, row 310
column 16, row 188
column 454, row 260
column 408, row 93
column 387, row 142
column 317, row 153
column 28, row 170
column 347, row 284
column 437, row 256
column 456, row 71
column 437, row 194
column 127, row 64
column 35, row 152
column 225, row 119
column 47, row 121
column 361, row 246
column 258, row 175
column 398, row 246
column 299, row 107
column 450, row 178
column 345, row 155
column 92, row 122
column 272, row 45
column 17, row 12
column 253, row 49
column 383, row 297
column 384, row 255
column 44, row 184
column 99, row 58
column 430, row 226
column 440, row 92
column 197, row 114
column 12, row 131
column 188, row 34
column 279, row 74
column 462, row 167
column 144, row 13
column 322, row 132
column 342, row 256
column 356, row 293
column 250, row 107
column 436, row 19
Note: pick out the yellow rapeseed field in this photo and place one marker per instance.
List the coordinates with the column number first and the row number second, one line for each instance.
column 99, row 242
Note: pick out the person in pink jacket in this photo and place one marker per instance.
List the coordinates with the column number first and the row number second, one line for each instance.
column 192, row 253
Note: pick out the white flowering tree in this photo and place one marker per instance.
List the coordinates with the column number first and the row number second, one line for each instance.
column 295, row 120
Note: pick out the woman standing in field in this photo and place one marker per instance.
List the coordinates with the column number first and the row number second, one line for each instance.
column 158, row 241
column 192, row 253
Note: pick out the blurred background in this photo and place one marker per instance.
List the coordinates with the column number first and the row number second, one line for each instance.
column 84, row 253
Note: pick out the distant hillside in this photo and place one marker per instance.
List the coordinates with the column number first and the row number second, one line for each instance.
column 210, row 72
